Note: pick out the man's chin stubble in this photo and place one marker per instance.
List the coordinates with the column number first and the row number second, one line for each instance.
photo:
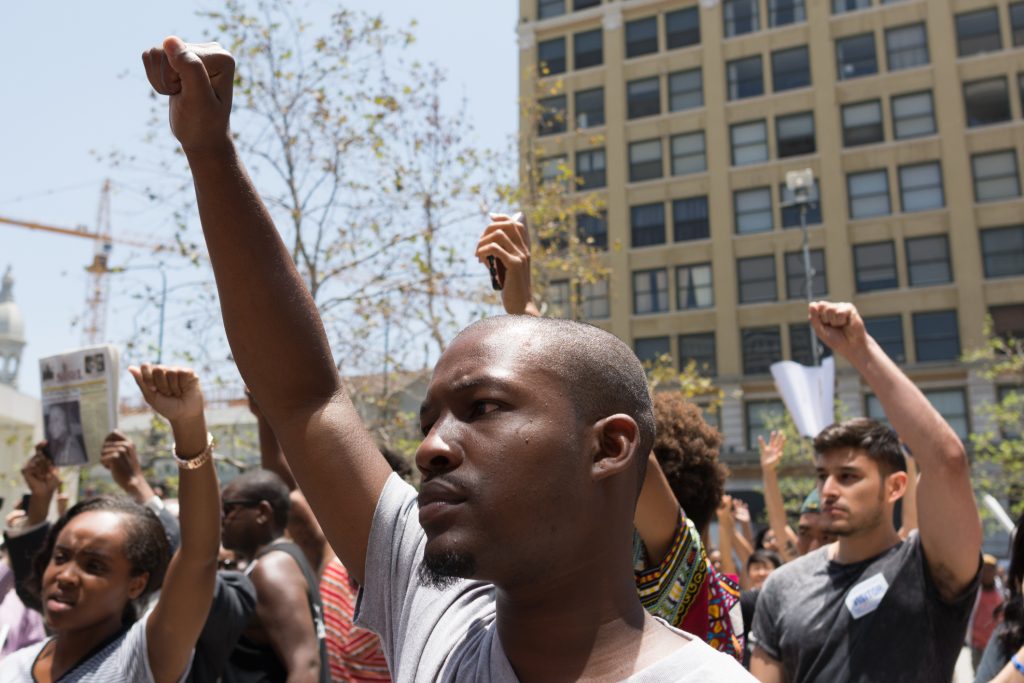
column 442, row 570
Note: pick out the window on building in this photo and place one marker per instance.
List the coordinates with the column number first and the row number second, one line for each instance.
column 800, row 345
column 913, row 115
column 855, row 56
column 595, row 299
column 593, row 230
column 650, row 349
column 921, row 187
column 951, row 404
column 869, row 193
column 690, row 219
column 688, row 153
column 685, row 90
column 794, row 134
column 887, row 330
column 682, row 28
column 590, row 169
column 740, row 16
column 906, row 47
column 796, row 282
column 559, row 299
column 791, row 69
column 749, row 142
column 552, row 170
column 844, row 6
column 978, row 32
column 1017, row 23
column 644, row 97
column 862, row 123
column 753, row 209
column 699, row 348
column 745, row 77
column 762, row 346
column 987, row 101
column 1008, row 321
column 647, row 224
column 590, row 108
column 645, row 160
column 1002, row 251
column 875, row 266
column 650, row 291
column 757, row 279
column 783, row 12
column 762, row 416
column 791, row 211
column 588, row 49
column 551, row 56
column 873, row 409
column 693, row 287
column 641, row 37
column 936, row 336
column 995, row 176
column 928, row 261
column 584, row 4
column 553, row 115
column 550, row 8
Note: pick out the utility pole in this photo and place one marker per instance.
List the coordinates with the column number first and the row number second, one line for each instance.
column 801, row 185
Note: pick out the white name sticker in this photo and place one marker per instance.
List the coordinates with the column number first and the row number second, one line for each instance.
column 865, row 597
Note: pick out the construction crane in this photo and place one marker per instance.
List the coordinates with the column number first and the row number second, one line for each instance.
column 97, row 293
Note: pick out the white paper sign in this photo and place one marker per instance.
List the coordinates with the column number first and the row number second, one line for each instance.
column 808, row 393
column 866, row 596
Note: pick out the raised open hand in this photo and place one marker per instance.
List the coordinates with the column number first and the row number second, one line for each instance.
column 198, row 78
column 172, row 392
column 507, row 241
column 839, row 325
column 740, row 511
column 771, row 452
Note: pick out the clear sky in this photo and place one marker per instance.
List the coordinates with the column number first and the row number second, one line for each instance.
column 71, row 84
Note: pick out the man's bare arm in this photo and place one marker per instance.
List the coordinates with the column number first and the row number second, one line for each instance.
column 283, row 609
column 947, row 512
column 657, row 513
column 275, row 332
column 771, row 455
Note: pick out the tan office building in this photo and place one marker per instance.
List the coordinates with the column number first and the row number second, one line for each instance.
column 687, row 115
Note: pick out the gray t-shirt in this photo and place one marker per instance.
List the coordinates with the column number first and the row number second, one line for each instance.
column 881, row 619
column 450, row 635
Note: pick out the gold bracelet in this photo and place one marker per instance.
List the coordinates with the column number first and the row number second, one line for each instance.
column 197, row 461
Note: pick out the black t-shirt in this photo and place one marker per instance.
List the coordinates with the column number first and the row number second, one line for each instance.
column 904, row 631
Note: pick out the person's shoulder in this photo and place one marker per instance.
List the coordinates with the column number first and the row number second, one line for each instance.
column 794, row 573
column 17, row 666
column 696, row 662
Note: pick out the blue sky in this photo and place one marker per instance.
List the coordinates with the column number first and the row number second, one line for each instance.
column 72, row 85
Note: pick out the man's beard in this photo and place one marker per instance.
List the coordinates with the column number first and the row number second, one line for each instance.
column 441, row 570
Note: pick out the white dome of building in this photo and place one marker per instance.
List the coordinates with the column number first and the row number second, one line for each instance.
column 12, row 332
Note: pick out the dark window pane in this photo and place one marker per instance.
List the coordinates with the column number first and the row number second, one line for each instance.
column 694, row 287
column 936, row 336
column 868, row 194
column 682, row 28
column 644, row 97
column 559, row 299
column 888, row 332
column 1002, row 251
column 1008, row 321
column 906, row 47
column 593, row 230
column 650, row 350
column 588, row 49
column 685, row 90
column 645, row 160
column 551, row 56
column 749, row 142
column 688, row 153
column 843, row 6
column 553, row 115
column 995, row 176
column 951, row 404
column 584, row 4
column 650, row 291
column 761, row 417
column 978, row 32
column 1017, row 23
column 800, row 345
column 762, row 346
column 647, row 223
column 928, row 261
column 641, row 37
column 795, row 134
column 740, row 16
column 791, row 210
column 855, row 56
column 699, row 348
column 782, row 12
column 550, row 8
column 913, row 115
column 595, row 299
column 757, row 279
column 590, row 108
column 987, row 101
column 690, row 219
column 796, row 282
column 921, row 187
column 791, row 69
column 875, row 266
column 590, row 169
column 745, row 77
column 862, row 123
column 753, row 209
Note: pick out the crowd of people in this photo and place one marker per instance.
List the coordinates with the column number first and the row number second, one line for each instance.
column 568, row 525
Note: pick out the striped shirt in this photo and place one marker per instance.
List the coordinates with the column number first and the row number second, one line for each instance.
column 354, row 653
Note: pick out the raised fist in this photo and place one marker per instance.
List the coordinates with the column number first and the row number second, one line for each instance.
column 120, row 457
column 198, row 78
column 839, row 326
column 172, row 392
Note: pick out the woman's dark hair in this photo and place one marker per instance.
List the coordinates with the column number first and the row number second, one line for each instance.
column 145, row 546
column 762, row 556
column 1013, row 611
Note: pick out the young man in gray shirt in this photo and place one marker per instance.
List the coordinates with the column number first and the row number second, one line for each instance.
column 872, row 607
column 514, row 562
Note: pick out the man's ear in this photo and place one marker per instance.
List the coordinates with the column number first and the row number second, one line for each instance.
column 617, row 439
column 266, row 513
column 896, row 486
column 137, row 584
